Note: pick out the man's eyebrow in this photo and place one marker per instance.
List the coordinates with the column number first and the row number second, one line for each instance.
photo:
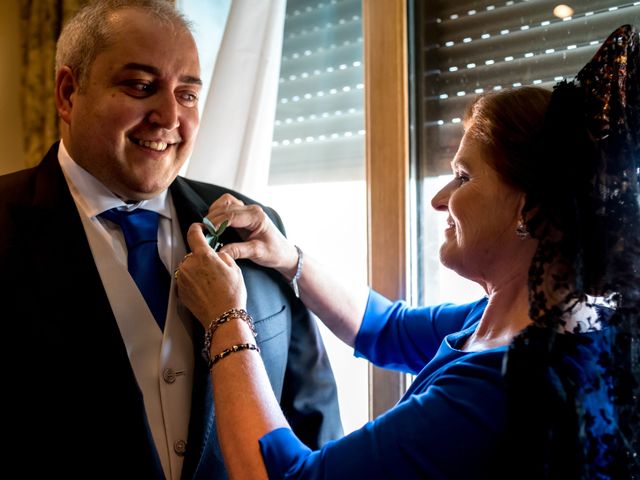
column 191, row 80
column 154, row 71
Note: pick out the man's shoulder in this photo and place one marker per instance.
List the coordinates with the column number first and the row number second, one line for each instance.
column 17, row 185
column 210, row 192
column 21, row 185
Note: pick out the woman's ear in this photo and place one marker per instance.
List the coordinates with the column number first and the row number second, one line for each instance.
column 531, row 216
column 528, row 213
column 528, row 208
column 66, row 89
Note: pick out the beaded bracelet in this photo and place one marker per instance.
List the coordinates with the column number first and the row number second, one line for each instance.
column 234, row 348
column 213, row 326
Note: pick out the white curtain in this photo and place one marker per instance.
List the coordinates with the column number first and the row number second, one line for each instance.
column 233, row 147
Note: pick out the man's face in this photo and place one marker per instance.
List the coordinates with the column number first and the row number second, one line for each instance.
column 134, row 122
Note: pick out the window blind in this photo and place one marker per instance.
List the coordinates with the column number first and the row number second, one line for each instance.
column 319, row 126
column 470, row 47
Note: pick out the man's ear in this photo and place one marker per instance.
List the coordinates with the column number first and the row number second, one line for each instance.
column 66, row 90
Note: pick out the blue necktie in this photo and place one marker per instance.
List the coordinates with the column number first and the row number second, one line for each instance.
column 140, row 229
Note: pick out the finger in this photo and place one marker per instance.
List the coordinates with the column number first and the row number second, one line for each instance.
column 226, row 258
column 196, row 240
column 186, row 256
column 224, row 202
column 246, row 217
column 218, row 214
column 248, row 249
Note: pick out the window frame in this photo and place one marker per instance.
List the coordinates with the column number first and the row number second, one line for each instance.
column 387, row 169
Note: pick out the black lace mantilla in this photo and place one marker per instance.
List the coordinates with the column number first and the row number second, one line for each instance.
column 574, row 376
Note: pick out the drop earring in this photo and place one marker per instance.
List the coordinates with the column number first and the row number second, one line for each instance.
column 522, row 231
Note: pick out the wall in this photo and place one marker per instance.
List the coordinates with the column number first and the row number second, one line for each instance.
column 12, row 157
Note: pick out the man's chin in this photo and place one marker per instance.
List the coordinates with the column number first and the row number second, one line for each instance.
column 142, row 191
column 149, row 182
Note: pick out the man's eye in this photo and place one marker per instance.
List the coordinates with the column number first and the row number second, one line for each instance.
column 188, row 99
column 139, row 88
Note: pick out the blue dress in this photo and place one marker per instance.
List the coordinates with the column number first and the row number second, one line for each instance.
column 451, row 422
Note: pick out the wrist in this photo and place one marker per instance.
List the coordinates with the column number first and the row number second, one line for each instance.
column 213, row 317
column 236, row 330
column 234, row 324
column 290, row 264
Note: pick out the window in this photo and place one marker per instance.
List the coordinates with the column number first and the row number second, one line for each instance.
column 208, row 18
column 464, row 48
column 317, row 177
column 319, row 125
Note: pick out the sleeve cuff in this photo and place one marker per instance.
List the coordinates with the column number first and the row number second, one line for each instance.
column 282, row 452
column 377, row 308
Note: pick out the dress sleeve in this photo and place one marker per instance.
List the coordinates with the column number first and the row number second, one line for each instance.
column 396, row 336
column 451, row 430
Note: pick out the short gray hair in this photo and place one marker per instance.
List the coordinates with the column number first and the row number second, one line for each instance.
column 88, row 32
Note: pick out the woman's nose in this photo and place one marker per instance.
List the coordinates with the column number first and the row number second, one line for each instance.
column 440, row 200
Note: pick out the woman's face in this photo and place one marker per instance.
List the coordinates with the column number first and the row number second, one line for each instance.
column 483, row 212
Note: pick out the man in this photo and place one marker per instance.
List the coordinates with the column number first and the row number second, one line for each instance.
column 99, row 382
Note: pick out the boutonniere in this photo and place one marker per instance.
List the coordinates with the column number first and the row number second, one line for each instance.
column 213, row 236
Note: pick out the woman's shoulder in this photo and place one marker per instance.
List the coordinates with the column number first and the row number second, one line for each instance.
column 462, row 316
column 378, row 302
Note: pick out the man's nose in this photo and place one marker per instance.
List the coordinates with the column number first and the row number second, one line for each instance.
column 165, row 112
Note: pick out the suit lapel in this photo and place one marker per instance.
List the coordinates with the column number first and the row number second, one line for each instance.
column 189, row 205
column 53, row 229
column 204, row 456
column 191, row 208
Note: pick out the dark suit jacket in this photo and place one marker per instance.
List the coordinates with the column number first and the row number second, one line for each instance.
column 74, row 407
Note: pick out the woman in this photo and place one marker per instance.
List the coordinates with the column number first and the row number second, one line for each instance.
column 461, row 416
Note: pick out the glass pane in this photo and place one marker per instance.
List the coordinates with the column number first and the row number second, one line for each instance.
column 460, row 49
column 319, row 127
column 208, row 19
column 317, row 169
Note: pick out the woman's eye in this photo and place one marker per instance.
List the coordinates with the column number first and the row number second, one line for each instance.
column 462, row 178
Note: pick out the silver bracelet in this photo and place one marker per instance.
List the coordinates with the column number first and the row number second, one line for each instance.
column 238, row 313
column 296, row 277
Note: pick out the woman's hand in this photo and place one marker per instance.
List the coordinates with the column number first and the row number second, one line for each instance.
column 340, row 308
column 209, row 283
column 263, row 242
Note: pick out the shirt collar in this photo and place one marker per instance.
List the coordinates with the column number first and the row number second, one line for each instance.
column 95, row 198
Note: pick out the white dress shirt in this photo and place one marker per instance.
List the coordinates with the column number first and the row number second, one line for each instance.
column 162, row 363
